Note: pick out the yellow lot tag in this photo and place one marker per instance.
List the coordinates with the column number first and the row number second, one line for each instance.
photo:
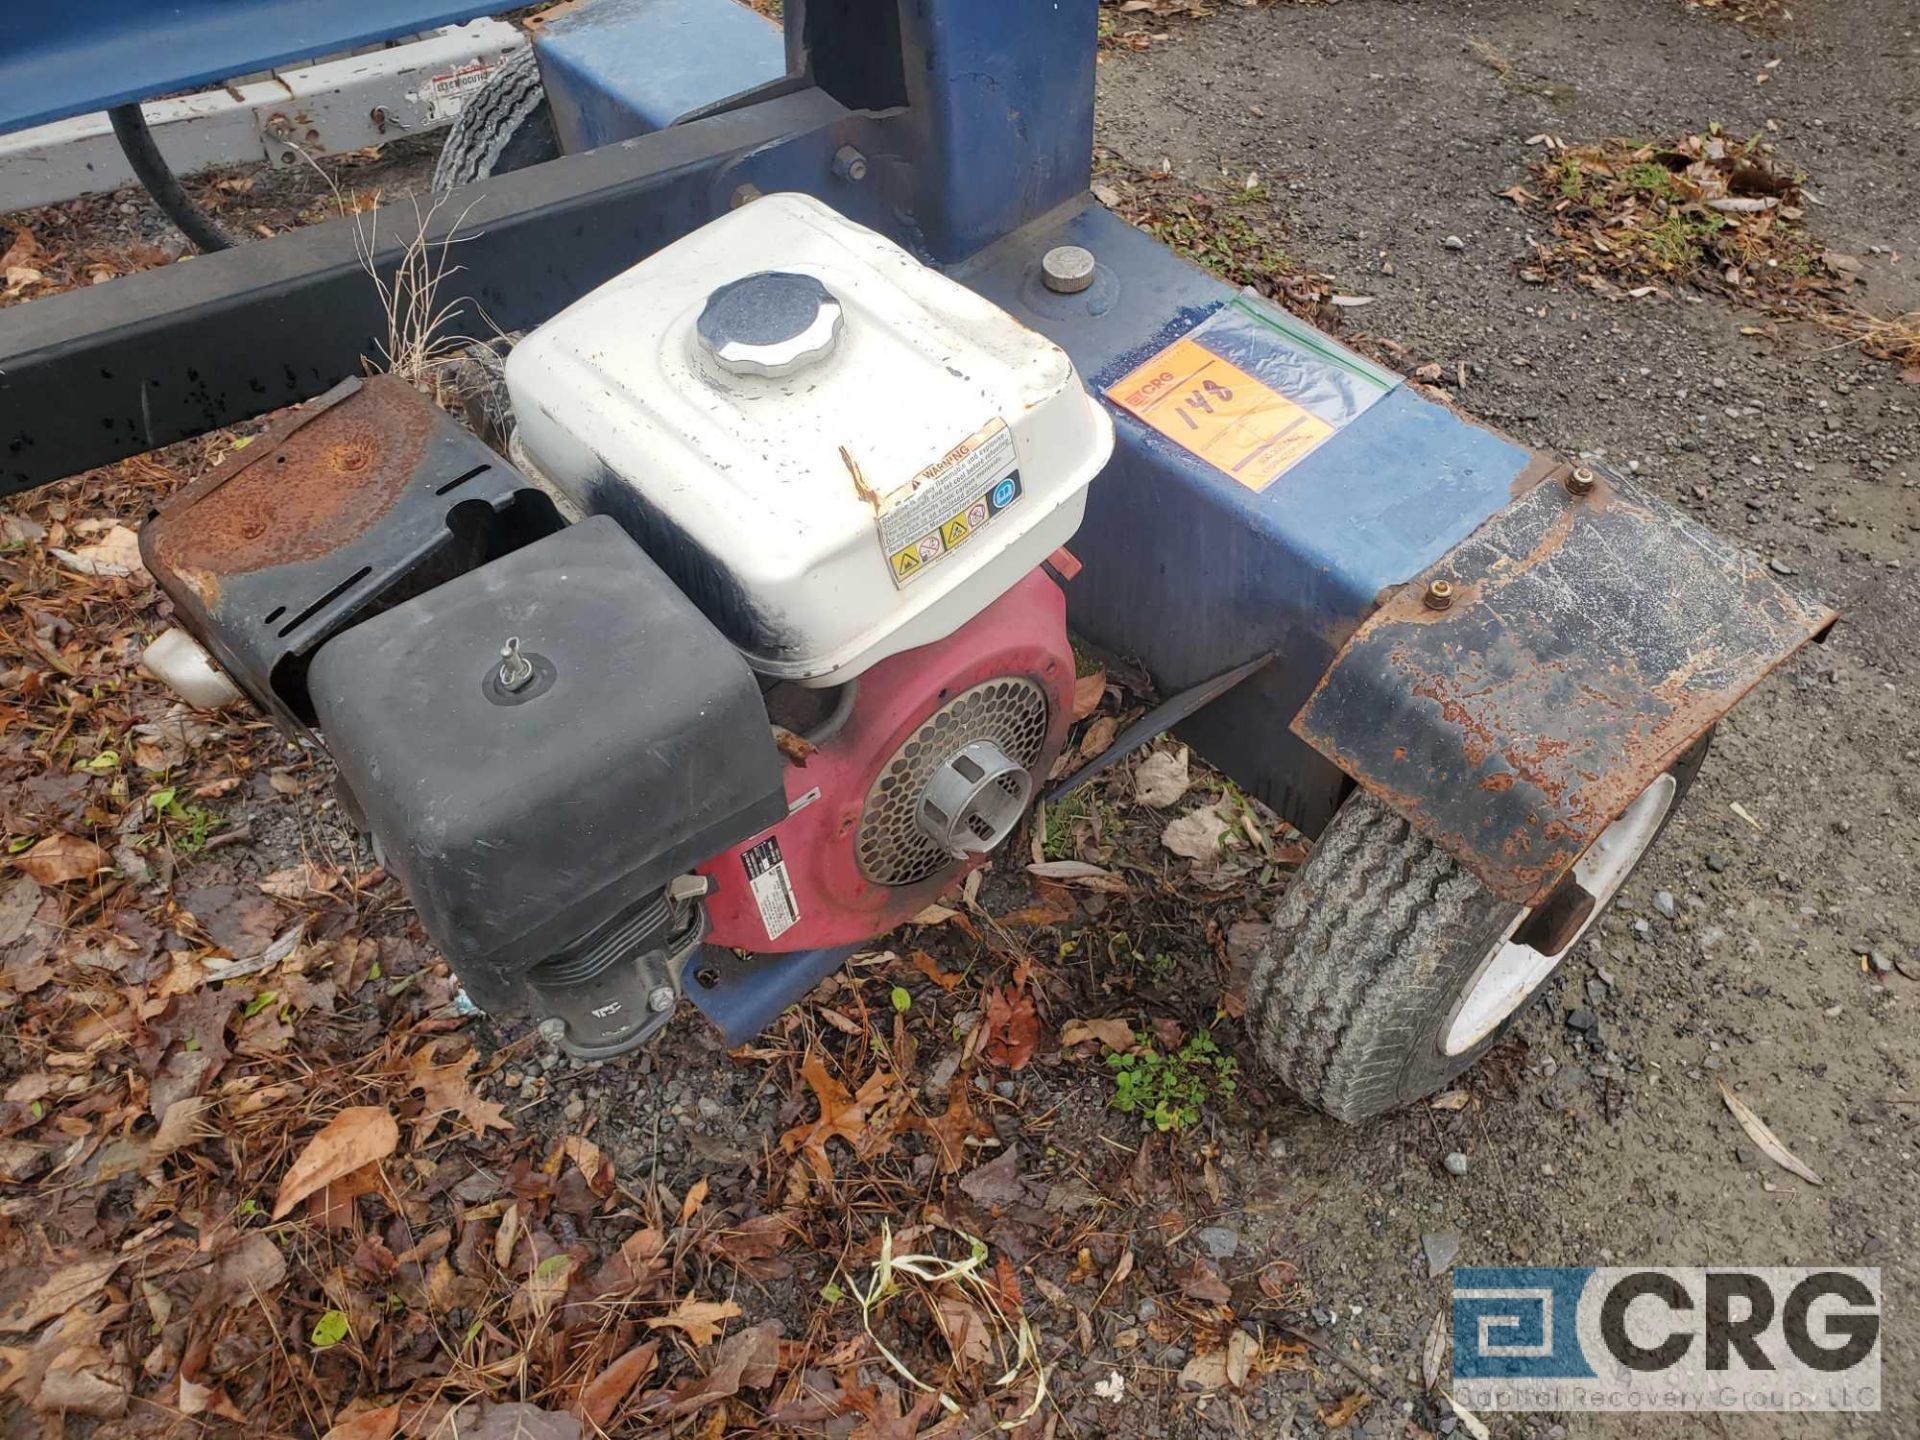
column 1222, row 414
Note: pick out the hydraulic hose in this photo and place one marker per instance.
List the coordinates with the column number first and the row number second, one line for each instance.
column 150, row 167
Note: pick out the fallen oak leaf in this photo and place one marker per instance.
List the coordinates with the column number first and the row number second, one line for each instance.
column 702, row 1320
column 862, row 1120
column 1081, row 873
column 448, row 1088
column 357, row 1136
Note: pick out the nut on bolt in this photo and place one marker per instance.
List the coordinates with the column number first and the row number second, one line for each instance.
column 849, row 163
column 1439, row 595
column 1581, row 481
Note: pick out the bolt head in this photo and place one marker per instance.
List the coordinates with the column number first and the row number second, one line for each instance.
column 1067, row 269
column 1581, row 481
column 1439, row 595
column 660, row 999
column 849, row 164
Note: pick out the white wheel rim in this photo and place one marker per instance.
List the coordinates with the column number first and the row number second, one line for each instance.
column 1511, row 971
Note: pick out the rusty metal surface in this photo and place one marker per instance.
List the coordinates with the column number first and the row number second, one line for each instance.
column 1585, row 642
column 310, row 485
column 341, row 508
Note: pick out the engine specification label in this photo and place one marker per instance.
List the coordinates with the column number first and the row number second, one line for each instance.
column 1210, row 406
column 772, row 891
column 949, row 502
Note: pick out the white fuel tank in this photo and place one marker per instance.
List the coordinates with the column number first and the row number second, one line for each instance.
column 836, row 451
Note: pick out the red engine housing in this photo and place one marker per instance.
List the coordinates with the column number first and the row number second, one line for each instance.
column 801, row 885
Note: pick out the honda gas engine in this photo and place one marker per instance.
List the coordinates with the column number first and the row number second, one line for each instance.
column 751, row 645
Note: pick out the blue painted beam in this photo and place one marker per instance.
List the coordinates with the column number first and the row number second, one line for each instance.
column 61, row 60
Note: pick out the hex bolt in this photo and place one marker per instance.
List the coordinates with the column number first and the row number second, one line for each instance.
column 849, row 164
column 1581, row 481
column 1439, row 595
column 1067, row 269
column 660, row 999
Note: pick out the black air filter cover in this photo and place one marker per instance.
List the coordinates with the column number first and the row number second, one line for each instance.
column 520, row 820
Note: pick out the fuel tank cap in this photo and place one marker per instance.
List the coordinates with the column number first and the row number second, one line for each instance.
column 772, row 323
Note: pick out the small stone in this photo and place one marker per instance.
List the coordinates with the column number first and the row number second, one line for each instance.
column 1219, row 1241
column 1005, row 1089
column 1148, row 1308
column 1640, row 927
column 1441, row 1246
column 1880, row 960
column 1583, row 1020
column 1780, row 567
column 1716, row 863
column 1664, row 902
column 1454, row 242
column 1455, row 1163
column 1276, row 1149
column 1596, row 992
column 575, row 1107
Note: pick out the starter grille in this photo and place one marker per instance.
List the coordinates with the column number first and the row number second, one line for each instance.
column 891, row 847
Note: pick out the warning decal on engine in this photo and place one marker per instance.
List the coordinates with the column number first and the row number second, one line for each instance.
column 772, row 891
column 949, row 502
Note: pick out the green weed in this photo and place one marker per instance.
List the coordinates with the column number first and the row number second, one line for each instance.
column 1168, row 1092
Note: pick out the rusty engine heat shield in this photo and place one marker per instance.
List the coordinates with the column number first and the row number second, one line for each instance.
column 1588, row 640
column 345, row 507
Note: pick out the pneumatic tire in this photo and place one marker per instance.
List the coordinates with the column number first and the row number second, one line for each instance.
column 506, row 125
column 1363, row 999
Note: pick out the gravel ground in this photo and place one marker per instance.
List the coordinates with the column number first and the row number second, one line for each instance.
column 1386, row 128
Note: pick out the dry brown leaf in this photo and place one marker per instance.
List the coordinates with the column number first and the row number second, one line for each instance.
column 1768, row 1142
column 1013, row 1028
column 1080, row 872
column 1110, row 1031
column 955, row 1126
column 1337, row 1415
column 60, row 858
column 929, row 967
column 65, row 1287
column 601, row 1396
column 745, row 1361
column 379, row 1424
column 357, row 1136
column 449, row 1087
column 702, row 1320
column 1088, row 691
column 966, row 1331
column 1099, row 736
column 1162, row 778
column 866, row 1120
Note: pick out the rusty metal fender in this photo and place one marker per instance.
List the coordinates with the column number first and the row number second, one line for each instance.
column 1512, row 701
